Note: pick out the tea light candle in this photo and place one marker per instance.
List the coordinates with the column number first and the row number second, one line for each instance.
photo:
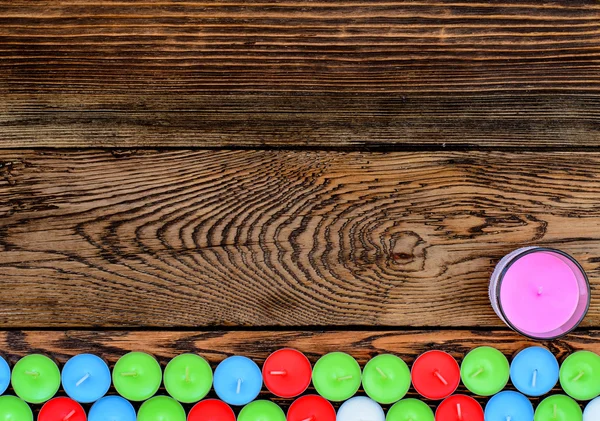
column 580, row 375
column 435, row 375
column 509, row 406
column 261, row 410
column 112, row 408
column 558, row 408
column 459, row 408
column 410, row 410
column 287, row 373
column 360, row 408
column 61, row 409
column 137, row 376
column 237, row 380
column 539, row 292
column 211, row 410
column 188, row 378
column 4, row 375
column 35, row 378
column 161, row 408
column 591, row 413
column 86, row 378
column 336, row 376
column 13, row 408
column 485, row 371
column 534, row 371
column 311, row 408
column 386, row 378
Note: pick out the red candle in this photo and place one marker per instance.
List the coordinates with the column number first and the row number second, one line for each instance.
column 211, row 410
column 62, row 409
column 287, row 373
column 311, row 408
column 435, row 375
column 459, row 408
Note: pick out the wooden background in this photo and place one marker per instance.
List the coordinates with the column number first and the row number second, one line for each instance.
column 236, row 176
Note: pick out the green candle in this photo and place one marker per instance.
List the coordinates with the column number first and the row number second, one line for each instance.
column 188, row 378
column 410, row 410
column 261, row 411
column 485, row 371
column 14, row 409
column 35, row 378
column 336, row 376
column 137, row 376
column 161, row 408
column 558, row 408
column 580, row 375
column 386, row 378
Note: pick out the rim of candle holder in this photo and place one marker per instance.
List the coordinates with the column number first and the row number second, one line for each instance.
column 517, row 256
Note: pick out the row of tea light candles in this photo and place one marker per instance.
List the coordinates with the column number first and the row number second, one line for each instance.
column 287, row 373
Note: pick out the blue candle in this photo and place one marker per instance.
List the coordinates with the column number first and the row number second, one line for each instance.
column 509, row 406
column 237, row 380
column 112, row 408
column 4, row 375
column 86, row 378
column 534, row 371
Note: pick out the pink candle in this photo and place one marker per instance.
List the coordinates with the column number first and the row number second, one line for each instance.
column 539, row 292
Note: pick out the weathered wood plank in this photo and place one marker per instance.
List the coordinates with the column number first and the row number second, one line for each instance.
column 189, row 238
column 324, row 73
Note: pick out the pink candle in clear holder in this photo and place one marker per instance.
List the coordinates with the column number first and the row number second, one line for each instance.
column 541, row 293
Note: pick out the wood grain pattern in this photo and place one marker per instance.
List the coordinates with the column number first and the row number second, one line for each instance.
column 323, row 73
column 191, row 238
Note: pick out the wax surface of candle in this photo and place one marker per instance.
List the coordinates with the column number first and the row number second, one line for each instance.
column 35, row 378
column 558, row 408
column 386, row 378
column 591, row 412
column 161, row 408
column 336, row 376
column 485, row 371
column 311, row 407
column 287, row 373
column 360, row 408
column 237, row 380
column 509, row 405
column 261, row 410
column 62, row 409
column 539, row 293
column 459, row 408
column 410, row 410
column 86, row 378
column 137, row 376
column 14, row 409
column 188, row 378
column 435, row 375
column 211, row 410
column 580, row 375
column 534, row 371
column 4, row 375
column 112, row 408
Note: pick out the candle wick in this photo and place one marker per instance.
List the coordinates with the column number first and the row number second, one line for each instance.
column 534, row 380
column 439, row 376
column 554, row 415
column 478, row 372
column 339, row 379
column 278, row 373
column 459, row 411
column 187, row 374
column 129, row 374
column 540, row 290
column 33, row 374
column 69, row 415
column 380, row 371
column 81, row 380
column 579, row 376
column 239, row 387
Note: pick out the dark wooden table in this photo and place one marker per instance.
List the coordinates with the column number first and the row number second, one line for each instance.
column 233, row 177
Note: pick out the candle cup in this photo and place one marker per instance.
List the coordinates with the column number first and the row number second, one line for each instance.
column 360, row 408
column 534, row 371
column 35, row 378
column 86, row 378
column 485, row 371
column 410, row 410
column 558, row 408
column 237, row 380
column 188, row 378
column 287, row 373
column 539, row 292
column 137, row 376
column 592, row 411
column 4, row 375
column 580, row 375
column 261, row 410
column 13, row 408
column 509, row 405
column 61, row 409
column 435, row 375
column 211, row 410
column 313, row 408
column 112, row 408
column 459, row 408
column 161, row 408
column 336, row 376
column 386, row 378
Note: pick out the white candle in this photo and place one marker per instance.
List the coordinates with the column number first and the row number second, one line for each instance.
column 592, row 411
column 360, row 408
